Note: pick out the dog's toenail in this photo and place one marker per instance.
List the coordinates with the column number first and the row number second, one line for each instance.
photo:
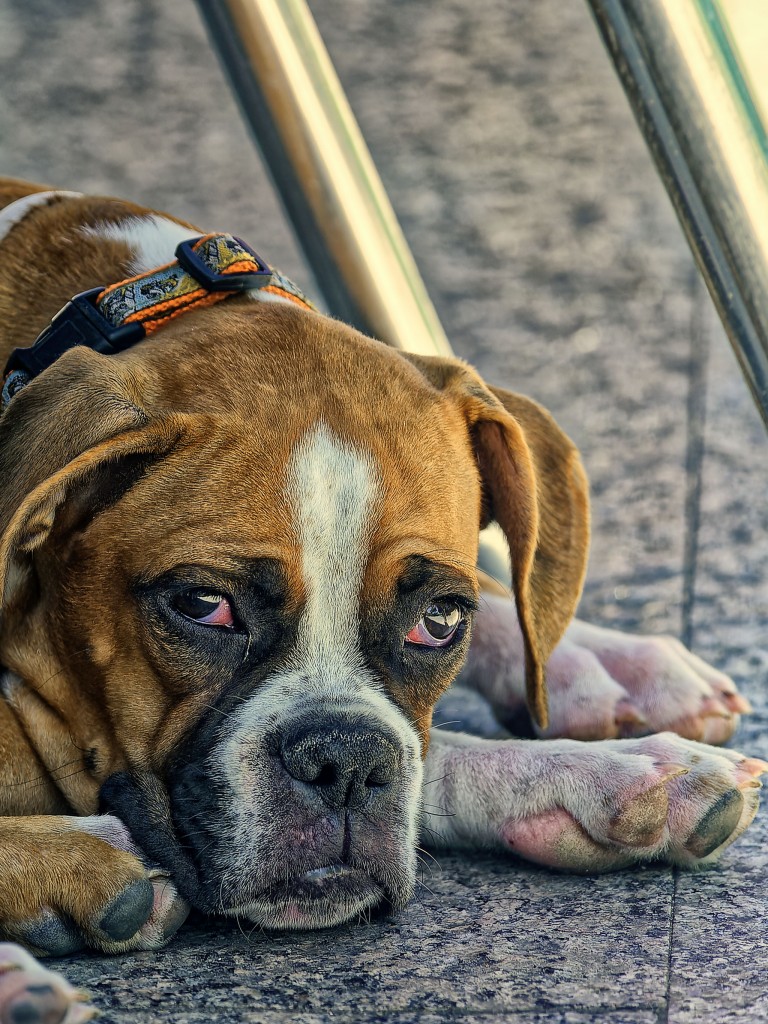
column 717, row 825
column 128, row 911
column 738, row 704
column 753, row 765
column 711, row 707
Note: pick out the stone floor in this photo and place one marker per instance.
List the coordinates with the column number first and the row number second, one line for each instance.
column 504, row 140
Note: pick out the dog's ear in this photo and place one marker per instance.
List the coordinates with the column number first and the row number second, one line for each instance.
column 535, row 488
column 76, row 430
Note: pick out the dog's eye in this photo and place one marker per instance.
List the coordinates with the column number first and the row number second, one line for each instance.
column 437, row 626
column 205, row 607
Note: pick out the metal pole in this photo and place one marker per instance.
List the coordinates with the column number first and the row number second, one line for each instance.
column 292, row 99
column 690, row 96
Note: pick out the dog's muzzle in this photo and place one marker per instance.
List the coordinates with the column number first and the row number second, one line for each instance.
column 305, row 822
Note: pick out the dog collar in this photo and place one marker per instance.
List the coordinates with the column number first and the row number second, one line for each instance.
column 110, row 319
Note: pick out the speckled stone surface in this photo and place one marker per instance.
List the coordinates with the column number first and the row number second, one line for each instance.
column 504, row 141
column 482, row 936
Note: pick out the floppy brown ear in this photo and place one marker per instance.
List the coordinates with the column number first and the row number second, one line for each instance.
column 535, row 488
column 79, row 420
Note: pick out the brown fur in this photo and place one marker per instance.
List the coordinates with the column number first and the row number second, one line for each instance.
column 230, row 388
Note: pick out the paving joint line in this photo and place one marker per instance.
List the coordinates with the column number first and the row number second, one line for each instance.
column 696, row 419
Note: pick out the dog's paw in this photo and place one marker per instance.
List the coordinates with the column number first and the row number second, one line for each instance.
column 71, row 883
column 612, row 804
column 604, row 684
column 31, row 994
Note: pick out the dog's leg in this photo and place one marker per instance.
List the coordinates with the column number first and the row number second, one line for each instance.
column 67, row 883
column 589, row 806
column 30, row 992
column 602, row 683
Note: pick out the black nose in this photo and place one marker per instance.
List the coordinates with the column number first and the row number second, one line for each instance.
column 346, row 765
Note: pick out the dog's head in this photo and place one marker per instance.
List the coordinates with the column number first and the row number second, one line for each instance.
column 239, row 569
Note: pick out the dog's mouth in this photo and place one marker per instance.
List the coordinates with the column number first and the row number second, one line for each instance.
column 271, row 883
column 319, row 898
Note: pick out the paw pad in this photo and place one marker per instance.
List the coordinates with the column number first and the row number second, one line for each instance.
column 128, row 911
column 30, row 994
column 717, row 825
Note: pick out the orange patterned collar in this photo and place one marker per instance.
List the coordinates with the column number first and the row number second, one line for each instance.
column 206, row 270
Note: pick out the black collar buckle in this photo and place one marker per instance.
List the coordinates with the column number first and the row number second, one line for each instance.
column 79, row 322
column 212, row 280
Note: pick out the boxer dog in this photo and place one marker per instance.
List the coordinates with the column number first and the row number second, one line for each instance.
column 238, row 560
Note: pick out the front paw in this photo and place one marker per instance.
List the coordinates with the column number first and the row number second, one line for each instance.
column 640, row 685
column 29, row 992
column 71, row 883
column 613, row 804
column 602, row 683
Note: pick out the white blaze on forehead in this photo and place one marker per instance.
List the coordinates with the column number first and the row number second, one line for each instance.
column 333, row 488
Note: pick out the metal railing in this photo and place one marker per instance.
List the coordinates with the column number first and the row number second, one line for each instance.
column 294, row 103
column 683, row 78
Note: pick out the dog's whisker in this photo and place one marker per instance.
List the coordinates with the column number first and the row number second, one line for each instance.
column 40, row 778
column 63, row 778
column 67, row 764
column 431, row 782
column 241, row 929
column 59, row 671
column 212, row 707
column 431, row 831
column 431, row 857
column 423, row 884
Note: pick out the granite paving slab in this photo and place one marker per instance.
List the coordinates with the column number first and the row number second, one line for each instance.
column 553, row 256
column 719, row 947
column 482, row 935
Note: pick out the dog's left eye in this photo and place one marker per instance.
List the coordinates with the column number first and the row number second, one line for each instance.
column 438, row 625
column 205, row 607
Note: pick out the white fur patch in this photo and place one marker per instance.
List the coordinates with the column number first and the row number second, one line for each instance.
column 108, row 828
column 333, row 489
column 259, row 295
column 14, row 213
column 152, row 238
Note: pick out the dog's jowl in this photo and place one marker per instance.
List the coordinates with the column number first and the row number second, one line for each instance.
column 238, row 571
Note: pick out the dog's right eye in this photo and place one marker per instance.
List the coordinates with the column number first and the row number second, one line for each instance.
column 205, row 607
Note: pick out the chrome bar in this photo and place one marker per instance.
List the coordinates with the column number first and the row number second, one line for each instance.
column 689, row 94
column 292, row 99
